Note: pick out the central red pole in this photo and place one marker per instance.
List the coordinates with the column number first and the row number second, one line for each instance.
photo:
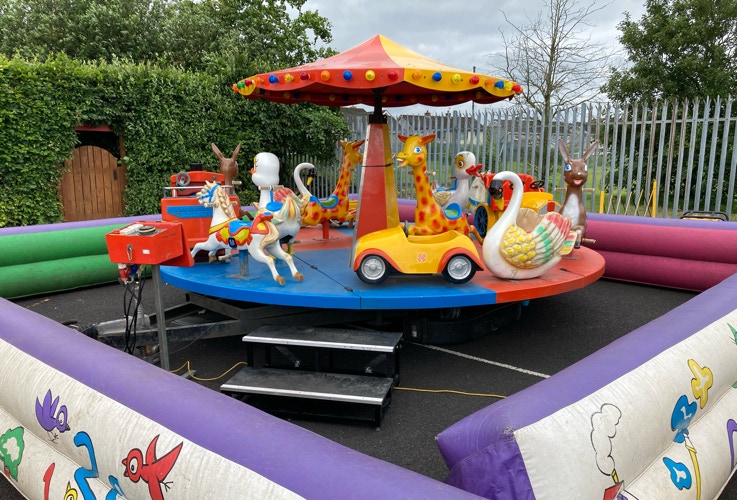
column 377, row 196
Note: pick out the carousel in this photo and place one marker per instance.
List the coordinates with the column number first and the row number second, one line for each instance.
column 281, row 275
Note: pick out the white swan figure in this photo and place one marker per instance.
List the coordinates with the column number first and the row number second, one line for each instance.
column 526, row 246
column 303, row 190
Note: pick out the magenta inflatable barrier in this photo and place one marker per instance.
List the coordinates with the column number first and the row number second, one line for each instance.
column 674, row 253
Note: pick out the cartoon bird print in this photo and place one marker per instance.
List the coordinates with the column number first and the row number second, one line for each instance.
column 53, row 420
column 152, row 470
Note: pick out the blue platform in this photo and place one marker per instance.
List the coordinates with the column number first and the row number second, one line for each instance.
column 329, row 282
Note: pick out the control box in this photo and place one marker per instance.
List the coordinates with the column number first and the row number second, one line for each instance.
column 148, row 242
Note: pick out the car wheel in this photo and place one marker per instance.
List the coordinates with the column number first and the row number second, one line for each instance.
column 459, row 269
column 373, row 270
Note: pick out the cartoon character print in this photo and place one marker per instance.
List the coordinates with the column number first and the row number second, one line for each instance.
column 52, row 417
column 11, row 451
column 603, row 431
column 150, row 469
column 731, row 423
column 683, row 414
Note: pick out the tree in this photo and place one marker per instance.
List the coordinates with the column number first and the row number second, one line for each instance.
column 211, row 42
column 554, row 57
column 678, row 49
column 229, row 38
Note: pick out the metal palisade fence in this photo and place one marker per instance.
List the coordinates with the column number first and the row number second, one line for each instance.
column 661, row 159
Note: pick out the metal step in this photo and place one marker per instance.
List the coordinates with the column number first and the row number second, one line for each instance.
column 321, row 349
column 311, row 385
column 321, row 394
column 327, row 338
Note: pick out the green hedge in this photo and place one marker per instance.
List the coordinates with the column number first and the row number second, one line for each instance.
column 167, row 117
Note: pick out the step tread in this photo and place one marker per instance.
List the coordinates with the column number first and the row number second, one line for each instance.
column 310, row 385
column 332, row 338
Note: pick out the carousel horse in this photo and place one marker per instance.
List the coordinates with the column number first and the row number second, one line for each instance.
column 255, row 237
column 265, row 175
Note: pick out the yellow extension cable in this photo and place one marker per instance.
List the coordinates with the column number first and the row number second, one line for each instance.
column 243, row 363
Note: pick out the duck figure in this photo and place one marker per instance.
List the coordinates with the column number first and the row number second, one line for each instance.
column 464, row 168
column 523, row 244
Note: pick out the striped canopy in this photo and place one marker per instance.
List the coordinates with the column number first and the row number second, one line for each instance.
column 378, row 72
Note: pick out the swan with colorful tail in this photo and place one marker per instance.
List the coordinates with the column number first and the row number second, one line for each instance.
column 523, row 244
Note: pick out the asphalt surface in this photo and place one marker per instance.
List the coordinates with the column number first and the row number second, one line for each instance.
column 551, row 334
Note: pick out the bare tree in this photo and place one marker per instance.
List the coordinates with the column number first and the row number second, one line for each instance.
column 554, row 56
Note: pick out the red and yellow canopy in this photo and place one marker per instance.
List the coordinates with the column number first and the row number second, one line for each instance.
column 377, row 72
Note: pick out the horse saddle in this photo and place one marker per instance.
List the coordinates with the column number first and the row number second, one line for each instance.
column 242, row 231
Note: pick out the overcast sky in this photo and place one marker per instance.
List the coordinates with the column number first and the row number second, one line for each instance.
column 460, row 33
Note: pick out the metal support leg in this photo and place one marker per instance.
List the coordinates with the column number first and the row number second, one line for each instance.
column 160, row 317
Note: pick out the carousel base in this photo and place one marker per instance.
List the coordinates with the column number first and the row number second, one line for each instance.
column 330, row 283
column 429, row 309
column 356, row 378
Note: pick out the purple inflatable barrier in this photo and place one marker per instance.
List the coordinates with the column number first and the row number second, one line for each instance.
column 541, row 439
column 116, row 404
column 674, row 253
column 62, row 226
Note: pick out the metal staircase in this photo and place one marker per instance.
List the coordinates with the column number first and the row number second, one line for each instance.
column 319, row 372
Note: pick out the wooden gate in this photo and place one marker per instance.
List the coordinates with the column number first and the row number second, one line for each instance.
column 92, row 186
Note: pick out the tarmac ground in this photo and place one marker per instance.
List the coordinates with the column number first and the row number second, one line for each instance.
column 551, row 334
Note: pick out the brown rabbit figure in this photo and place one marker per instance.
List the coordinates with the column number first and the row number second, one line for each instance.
column 228, row 166
column 575, row 174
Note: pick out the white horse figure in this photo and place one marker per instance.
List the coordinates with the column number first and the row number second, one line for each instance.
column 255, row 237
column 265, row 175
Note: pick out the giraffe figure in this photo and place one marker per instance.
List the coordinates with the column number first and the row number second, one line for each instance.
column 336, row 207
column 429, row 215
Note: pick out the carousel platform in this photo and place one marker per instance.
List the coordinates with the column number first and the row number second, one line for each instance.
column 330, row 283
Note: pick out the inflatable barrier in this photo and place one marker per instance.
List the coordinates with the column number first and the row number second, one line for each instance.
column 673, row 253
column 686, row 254
column 77, row 414
column 652, row 415
column 57, row 257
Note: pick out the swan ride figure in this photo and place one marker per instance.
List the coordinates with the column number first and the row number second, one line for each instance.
column 523, row 244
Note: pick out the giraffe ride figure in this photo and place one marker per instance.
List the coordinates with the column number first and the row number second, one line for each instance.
column 430, row 218
column 336, row 207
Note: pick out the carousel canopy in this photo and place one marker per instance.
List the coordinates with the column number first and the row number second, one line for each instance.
column 378, row 72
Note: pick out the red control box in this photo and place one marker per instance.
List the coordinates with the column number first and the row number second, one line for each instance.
column 149, row 242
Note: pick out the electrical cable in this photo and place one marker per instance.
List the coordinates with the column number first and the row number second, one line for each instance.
column 450, row 391
column 191, row 374
column 131, row 304
column 187, row 365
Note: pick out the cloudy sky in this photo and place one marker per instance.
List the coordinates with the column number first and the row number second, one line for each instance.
column 460, row 33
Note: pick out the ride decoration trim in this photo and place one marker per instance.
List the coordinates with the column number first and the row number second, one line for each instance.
column 377, row 67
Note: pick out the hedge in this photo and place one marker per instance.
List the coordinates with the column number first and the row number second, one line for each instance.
column 167, row 117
